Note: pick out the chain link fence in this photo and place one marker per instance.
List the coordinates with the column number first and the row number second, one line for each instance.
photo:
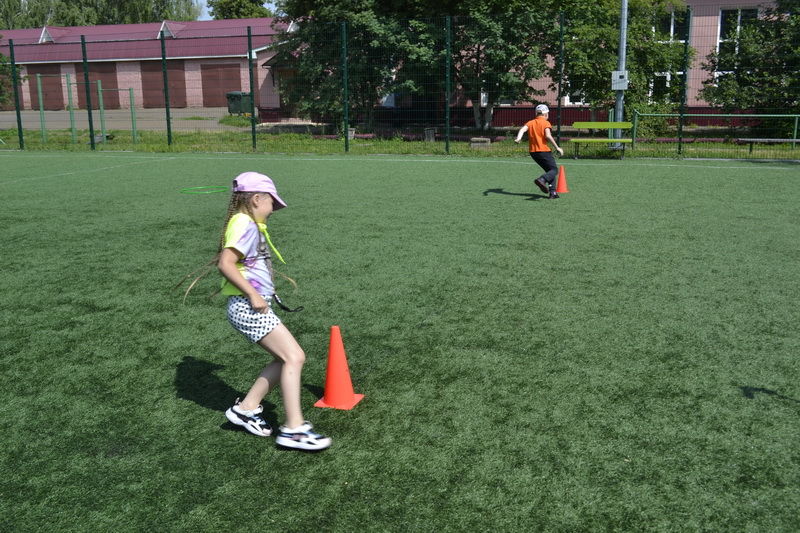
column 703, row 83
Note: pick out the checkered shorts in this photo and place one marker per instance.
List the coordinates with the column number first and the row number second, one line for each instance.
column 250, row 323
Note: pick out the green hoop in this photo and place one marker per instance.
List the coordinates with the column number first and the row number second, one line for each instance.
column 205, row 189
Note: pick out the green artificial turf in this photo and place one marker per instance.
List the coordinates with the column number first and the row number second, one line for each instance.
column 624, row 358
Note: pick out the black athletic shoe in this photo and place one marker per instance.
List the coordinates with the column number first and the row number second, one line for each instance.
column 553, row 195
column 249, row 420
column 542, row 185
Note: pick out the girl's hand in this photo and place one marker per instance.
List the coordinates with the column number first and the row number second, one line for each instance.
column 258, row 303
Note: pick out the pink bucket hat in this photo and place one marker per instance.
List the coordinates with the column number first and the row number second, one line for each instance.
column 255, row 182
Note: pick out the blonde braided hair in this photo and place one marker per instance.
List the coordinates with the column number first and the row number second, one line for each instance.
column 240, row 202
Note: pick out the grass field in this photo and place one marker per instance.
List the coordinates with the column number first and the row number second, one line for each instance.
column 624, row 358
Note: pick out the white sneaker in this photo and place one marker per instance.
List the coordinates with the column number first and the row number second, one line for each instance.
column 249, row 420
column 302, row 438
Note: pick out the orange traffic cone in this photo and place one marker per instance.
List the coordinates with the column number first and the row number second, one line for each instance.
column 561, row 185
column 338, row 387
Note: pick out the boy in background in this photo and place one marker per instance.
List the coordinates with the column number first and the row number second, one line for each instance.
column 539, row 134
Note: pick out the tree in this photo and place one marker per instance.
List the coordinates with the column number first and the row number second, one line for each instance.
column 498, row 48
column 497, row 51
column 237, row 9
column 591, row 48
column 376, row 49
column 759, row 66
column 36, row 13
column 400, row 47
column 6, row 87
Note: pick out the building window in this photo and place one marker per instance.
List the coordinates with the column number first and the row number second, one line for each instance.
column 672, row 27
column 575, row 98
column 731, row 22
column 666, row 87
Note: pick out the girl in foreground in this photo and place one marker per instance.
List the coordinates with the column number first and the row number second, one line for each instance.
column 245, row 262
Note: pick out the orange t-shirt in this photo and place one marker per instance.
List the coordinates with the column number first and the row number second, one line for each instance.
column 537, row 142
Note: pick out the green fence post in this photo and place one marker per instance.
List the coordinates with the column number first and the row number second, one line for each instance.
column 250, row 59
column 612, row 118
column 796, row 117
column 635, row 128
column 70, row 104
column 102, row 108
column 560, row 72
column 88, row 87
column 685, row 82
column 15, row 82
column 447, row 82
column 42, row 125
column 166, row 87
column 133, row 115
column 345, row 96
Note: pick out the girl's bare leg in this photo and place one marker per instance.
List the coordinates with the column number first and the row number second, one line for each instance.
column 265, row 382
column 281, row 343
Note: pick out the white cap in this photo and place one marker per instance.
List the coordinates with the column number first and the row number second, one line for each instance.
column 541, row 108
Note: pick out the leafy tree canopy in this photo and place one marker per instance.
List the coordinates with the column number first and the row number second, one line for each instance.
column 591, row 49
column 5, row 80
column 759, row 68
column 237, row 9
column 16, row 14
column 400, row 46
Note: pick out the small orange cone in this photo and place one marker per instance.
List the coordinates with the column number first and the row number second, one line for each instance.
column 338, row 387
column 561, row 185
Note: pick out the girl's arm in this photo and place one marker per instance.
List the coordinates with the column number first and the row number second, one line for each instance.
column 227, row 267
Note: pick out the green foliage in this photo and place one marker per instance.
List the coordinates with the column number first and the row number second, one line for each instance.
column 16, row 14
column 654, row 126
column 377, row 47
column 591, row 50
column 237, row 9
column 6, row 84
column 760, row 68
column 390, row 50
column 497, row 50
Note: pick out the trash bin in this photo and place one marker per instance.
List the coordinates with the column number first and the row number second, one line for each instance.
column 238, row 102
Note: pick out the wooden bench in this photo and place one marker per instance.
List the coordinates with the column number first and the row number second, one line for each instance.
column 751, row 142
column 608, row 126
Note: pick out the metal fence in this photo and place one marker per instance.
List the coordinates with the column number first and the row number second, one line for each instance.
column 409, row 86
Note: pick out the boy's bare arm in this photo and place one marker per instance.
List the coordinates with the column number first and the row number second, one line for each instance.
column 552, row 141
column 521, row 133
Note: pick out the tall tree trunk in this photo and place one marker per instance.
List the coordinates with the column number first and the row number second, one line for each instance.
column 488, row 116
column 476, row 112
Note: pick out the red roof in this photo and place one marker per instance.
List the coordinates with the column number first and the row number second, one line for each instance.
column 129, row 42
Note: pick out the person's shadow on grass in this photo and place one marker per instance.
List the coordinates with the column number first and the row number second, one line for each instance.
column 750, row 393
column 528, row 195
column 196, row 381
